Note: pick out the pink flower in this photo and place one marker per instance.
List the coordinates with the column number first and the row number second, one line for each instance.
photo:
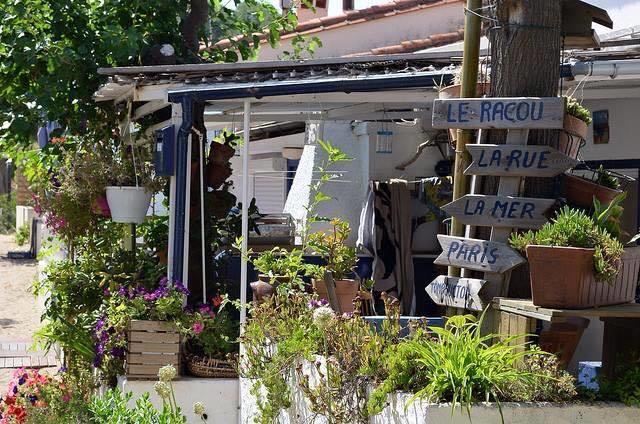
column 198, row 327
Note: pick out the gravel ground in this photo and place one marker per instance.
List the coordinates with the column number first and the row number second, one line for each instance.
column 19, row 309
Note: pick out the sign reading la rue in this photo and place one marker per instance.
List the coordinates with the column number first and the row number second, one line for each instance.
column 507, row 112
column 479, row 255
column 457, row 292
column 513, row 160
column 499, row 211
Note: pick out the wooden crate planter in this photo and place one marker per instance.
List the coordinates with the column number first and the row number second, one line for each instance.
column 150, row 346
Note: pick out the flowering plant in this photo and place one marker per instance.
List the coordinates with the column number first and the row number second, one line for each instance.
column 212, row 332
column 35, row 397
column 123, row 303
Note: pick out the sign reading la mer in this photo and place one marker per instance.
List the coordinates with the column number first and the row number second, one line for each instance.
column 499, row 211
column 517, row 161
column 498, row 112
column 479, row 255
column 457, row 292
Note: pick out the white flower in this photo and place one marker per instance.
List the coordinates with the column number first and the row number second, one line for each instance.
column 323, row 316
column 198, row 408
column 162, row 389
column 167, row 373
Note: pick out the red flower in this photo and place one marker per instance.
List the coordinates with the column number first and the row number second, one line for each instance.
column 217, row 301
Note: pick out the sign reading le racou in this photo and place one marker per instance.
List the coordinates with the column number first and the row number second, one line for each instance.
column 479, row 255
column 507, row 112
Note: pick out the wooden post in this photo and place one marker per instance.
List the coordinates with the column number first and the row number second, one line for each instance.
column 331, row 292
column 471, row 55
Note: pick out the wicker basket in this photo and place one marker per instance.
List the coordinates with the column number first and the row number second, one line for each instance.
column 211, row 368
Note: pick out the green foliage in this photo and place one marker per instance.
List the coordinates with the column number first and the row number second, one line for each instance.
column 22, row 235
column 606, row 179
column 331, row 246
column 625, row 387
column 608, row 217
column 302, row 45
column 211, row 331
column 549, row 382
column 113, row 407
column 155, row 232
column 574, row 228
column 574, row 108
column 8, row 214
column 50, row 51
column 463, row 367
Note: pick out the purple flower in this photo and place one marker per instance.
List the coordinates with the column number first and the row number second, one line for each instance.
column 106, row 291
column 62, row 369
column 122, row 291
column 118, row 352
column 15, row 389
column 21, row 380
column 33, row 399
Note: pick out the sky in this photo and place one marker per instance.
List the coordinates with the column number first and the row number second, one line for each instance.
column 624, row 13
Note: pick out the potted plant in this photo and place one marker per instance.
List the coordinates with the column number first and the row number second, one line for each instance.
column 276, row 267
column 132, row 184
column 211, row 341
column 155, row 233
column 222, row 150
column 580, row 191
column 576, row 121
column 591, row 260
column 340, row 261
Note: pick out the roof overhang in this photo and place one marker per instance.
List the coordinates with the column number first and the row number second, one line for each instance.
column 577, row 18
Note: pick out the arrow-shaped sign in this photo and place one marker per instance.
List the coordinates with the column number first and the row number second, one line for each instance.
column 499, row 211
column 517, row 161
column 479, row 255
column 457, row 292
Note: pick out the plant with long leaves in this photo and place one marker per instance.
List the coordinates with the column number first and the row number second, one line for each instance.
column 463, row 366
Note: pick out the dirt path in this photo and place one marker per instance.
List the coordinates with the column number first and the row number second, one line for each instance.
column 19, row 309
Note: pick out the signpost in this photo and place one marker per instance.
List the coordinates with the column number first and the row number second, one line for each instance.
column 511, row 161
column 457, row 292
column 479, row 255
column 505, row 113
column 517, row 161
column 499, row 211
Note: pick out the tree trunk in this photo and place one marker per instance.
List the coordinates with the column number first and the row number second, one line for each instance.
column 197, row 17
column 4, row 177
column 525, row 61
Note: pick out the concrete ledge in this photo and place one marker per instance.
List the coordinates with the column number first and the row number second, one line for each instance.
column 219, row 395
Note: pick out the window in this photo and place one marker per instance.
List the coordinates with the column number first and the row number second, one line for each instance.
column 347, row 4
column 600, row 127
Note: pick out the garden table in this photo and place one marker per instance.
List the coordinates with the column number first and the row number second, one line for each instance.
column 621, row 324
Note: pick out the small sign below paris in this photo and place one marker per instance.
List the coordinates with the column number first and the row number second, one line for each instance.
column 499, row 112
column 504, row 160
column 457, row 292
column 479, row 255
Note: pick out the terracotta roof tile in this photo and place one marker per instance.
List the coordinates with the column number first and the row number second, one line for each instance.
column 352, row 17
column 410, row 46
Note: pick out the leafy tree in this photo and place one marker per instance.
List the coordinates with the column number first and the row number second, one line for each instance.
column 50, row 51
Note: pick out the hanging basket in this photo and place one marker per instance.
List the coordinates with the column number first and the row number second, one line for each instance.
column 211, row 368
column 128, row 204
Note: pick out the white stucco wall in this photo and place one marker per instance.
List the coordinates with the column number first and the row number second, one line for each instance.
column 362, row 37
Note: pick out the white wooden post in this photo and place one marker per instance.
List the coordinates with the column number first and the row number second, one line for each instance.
column 246, row 131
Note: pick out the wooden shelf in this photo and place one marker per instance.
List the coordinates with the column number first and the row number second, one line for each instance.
column 526, row 308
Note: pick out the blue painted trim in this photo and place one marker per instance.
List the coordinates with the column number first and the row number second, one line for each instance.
column 182, row 166
column 346, row 85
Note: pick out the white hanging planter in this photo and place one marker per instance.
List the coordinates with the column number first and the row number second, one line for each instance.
column 128, row 204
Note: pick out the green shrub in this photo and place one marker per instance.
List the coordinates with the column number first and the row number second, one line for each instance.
column 574, row 228
column 7, row 214
column 460, row 365
column 22, row 235
column 625, row 387
column 113, row 408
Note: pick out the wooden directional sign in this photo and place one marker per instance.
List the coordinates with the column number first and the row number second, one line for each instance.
column 517, row 161
column 507, row 112
column 457, row 292
column 479, row 255
column 499, row 211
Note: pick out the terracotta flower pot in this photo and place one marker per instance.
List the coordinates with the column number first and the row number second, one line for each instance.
column 221, row 153
column 453, row 92
column 580, row 191
column 573, row 136
column 264, row 287
column 346, row 291
column 575, row 287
